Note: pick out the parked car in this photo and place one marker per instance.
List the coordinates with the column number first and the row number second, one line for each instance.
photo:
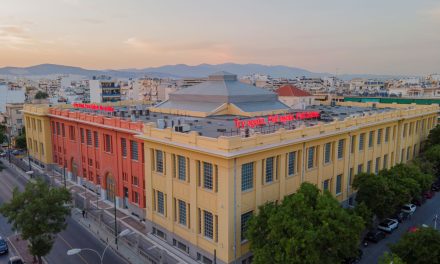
column 435, row 187
column 374, row 236
column 428, row 194
column 3, row 246
column 399, row 216
column 355, row 259
column 409, row 208
column 15, row 260
column 388, row 225
column 413, row 229
column 419, row 200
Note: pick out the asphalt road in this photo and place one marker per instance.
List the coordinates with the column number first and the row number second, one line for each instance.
column 75, row 236
column 423, row 215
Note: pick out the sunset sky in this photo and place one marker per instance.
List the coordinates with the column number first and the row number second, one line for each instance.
column 348, row 36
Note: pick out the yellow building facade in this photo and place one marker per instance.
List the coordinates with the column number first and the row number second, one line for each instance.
column 202, row 190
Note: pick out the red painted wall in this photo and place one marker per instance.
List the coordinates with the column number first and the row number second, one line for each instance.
column 95, row 161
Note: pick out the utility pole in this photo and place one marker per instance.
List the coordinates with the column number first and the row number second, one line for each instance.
column 116, row 223
column 435, row 221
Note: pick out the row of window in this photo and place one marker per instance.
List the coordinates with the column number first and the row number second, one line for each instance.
column 207, row 222
column 35, row 146
column 36, row 123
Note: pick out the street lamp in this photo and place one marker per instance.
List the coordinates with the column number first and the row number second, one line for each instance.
column 75, row 251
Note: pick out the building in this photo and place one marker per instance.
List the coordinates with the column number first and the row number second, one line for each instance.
column 104, row 90
column 294, row 97
column 215, row 151
column 14, row 119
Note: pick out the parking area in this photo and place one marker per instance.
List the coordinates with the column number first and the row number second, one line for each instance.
column 424, row 215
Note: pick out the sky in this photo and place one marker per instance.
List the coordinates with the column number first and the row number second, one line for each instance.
column 337, row 36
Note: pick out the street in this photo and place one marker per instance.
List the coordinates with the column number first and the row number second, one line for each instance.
column 423, row 215
column 75, row 236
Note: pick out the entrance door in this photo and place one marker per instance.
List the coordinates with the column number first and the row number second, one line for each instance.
column 125, row 197
column 74, row 169
column 110, row 187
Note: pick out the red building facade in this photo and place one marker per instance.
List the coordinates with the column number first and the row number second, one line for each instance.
column 102, row 154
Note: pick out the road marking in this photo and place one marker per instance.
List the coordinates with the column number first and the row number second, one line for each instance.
column 67, row 243
column 16, row 251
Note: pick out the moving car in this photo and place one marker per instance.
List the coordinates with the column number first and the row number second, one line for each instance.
column 15, row 260
column 409, row 208
column 388, row 225
column 374, row 236
column 3, row 246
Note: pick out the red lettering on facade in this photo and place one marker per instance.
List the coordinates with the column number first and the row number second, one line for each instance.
column 94, row 107
column 272, row 119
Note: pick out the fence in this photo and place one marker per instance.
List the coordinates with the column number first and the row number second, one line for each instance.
column 103, row 224
column 24, row 166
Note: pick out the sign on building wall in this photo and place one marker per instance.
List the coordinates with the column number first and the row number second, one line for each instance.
column 273, row 119
column 94, row 107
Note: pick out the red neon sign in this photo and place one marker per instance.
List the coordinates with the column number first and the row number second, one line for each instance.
column 94, row 107
column 272, row 119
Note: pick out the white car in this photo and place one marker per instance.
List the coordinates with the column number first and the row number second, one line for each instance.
column 409, row 208
column 388, row 225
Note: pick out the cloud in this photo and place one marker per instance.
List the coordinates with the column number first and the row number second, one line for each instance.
column 93, row 21
column 14, row 36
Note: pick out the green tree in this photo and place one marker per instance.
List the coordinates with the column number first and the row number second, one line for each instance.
column 41, row 95
column 362, row 210
column 433, row 156
column 388, row 258
column 307, row 227
column 376, row 193
column 434, row 136
column 39, row 213
column 20, row 140
column 3, row 137
column 420, row 247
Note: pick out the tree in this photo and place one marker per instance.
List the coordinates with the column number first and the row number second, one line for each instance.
column 433, row 156
column 307, row 227
column 376, row 193
column 39, row 213
column 3, row 137
column 434, row 136
column 388, row 258
column 41, row 95
column 422, row 246
column 362, row 210
column 20, row 140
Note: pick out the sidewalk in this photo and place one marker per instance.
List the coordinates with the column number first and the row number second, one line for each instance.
column 149, row 247
column 20, row 246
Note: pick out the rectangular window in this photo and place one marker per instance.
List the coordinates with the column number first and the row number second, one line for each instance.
column 311, row 158
column 370, row 139
column 182, row 167
column 360, row 168
column 40, row 128
column 369, row 166
column 136, row 197
column 408, row 153
column 385, row 161
column 41, row 149
column 361, row 141
column 160, row 203
column 81, row 130
column 379, row 136
column 417, row 126
column 135, row 180
column 414, row 150
column 209, row 224
column 134, row 150
column 72, row 132
column 350, row 176
column 405, row 128
column 291, row 168
column 244, row 224
column 63, row 131
column 341, row 144
column 182, row 212
column 108, row 144
column 269, row 170
column 124, row 147
column 247, row 176
column 327, row 152
column 89, row 137
column 338, row 184
column 353, row 141
column 159, row 161
column 377, row 167
column 411, row 128
column 387, row 134
column 325, row 185
column 33, row 125
column 207, row 175
column 96, row 138
column 58, row 128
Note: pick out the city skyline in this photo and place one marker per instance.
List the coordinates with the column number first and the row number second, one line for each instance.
column 397, row 37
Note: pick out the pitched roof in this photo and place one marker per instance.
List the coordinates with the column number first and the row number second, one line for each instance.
column 291, row 90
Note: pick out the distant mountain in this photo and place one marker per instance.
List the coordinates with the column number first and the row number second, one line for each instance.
column 178, row 71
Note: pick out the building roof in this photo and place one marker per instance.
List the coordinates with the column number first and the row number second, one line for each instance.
column 223, row 88
column 291, row 90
